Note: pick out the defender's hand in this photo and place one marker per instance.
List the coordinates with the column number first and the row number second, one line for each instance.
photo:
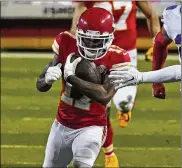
column 70, row 67
column 149, row 55
column 53, row 74
column 159, row 91
column 125, row 76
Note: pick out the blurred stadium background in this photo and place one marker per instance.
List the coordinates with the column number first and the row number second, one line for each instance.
column 152, row 138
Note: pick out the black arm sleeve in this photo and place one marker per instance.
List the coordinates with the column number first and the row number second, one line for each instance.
column 41, row 85
column 96, row 92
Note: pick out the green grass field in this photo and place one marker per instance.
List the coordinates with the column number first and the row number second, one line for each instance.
column 152, row 138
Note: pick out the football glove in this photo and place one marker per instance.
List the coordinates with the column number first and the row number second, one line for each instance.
column 159, row 90
column 70, row 67
column 149, row 55
column 53, row 74
column 125, row 76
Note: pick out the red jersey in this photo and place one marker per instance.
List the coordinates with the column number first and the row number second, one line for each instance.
column 124, row 14
column 82, row 113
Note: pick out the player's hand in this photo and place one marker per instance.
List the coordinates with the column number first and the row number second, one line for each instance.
column 53, row 74
column 70, row 67
column 149, row 55
column 125, row 76
column 159, row 91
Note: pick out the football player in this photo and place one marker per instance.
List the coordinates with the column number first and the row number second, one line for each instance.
column 79, row 129
column 171, row 31
column 124, row 13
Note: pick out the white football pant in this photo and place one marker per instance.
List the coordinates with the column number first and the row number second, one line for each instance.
column 66, row 144
column 125, row 97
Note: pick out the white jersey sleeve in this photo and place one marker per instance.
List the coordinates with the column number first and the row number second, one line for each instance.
column 168, row 74
column 172, row 21
column 172, row 25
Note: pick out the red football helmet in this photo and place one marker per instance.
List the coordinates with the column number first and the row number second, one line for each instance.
column 94, row 33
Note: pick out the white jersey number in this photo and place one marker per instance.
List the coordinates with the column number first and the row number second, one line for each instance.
column 121, row 24
column 83, row 103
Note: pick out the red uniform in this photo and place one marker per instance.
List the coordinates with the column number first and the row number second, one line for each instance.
column 124, row 14
column 74, row 113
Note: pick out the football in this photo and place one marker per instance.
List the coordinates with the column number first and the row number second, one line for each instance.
column 87, row 71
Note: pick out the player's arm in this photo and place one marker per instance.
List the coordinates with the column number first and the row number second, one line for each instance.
column 79, row 9
column 96, row 92
column 128, row 76
column 152, row 23
column 167, row 74
column 160, row 49
column 159, row 56
column 51, row 73
column 151, row 16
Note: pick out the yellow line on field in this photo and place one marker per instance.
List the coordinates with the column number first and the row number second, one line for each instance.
column 150, row 149
column 45, row 55
column 116, row 148
column 37, row 163
column 23, row 146
column 40, row 119
column 126, row 134
column 28, row 163
column 95, row 165
column 51, row 119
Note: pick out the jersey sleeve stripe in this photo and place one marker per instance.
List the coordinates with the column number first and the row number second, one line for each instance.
column 55, row 47
column 66, row 32
column 56, row 44
column 121, row 65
